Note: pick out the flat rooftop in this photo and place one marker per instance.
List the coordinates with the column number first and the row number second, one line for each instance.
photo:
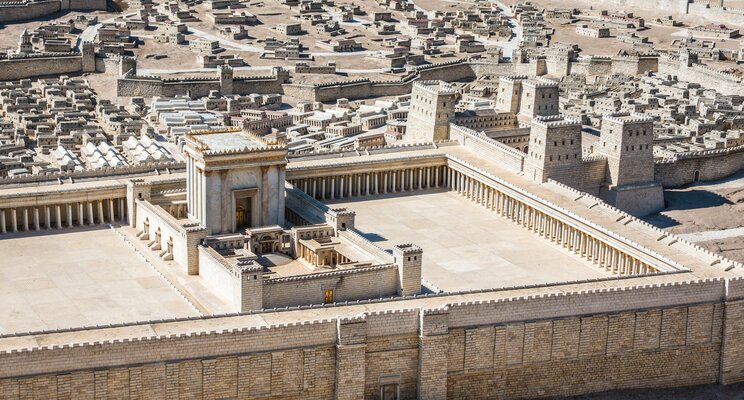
column 226, row 141
column 79, row 277
column 465, row 246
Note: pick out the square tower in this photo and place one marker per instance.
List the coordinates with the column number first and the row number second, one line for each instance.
column 509, row 93
column 627, row 140
column 539, row 98
column 432, row 107
column 555, row 150
column 234, row 180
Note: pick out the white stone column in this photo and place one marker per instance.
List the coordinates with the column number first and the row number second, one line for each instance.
column 112, row 214
column 47, row 217
column 315, row 188
column 123, row 211
column 58, row 216
column 3, row 229
column 323, row 188
column 99, row 205
column 90, row 213
column 69, row 216
column 392, row 176
column 420, row 178
column 25, row 219
column 368, row 180
column 341, row 187
column 37, row 225
column 333, row 187
column 14, row 219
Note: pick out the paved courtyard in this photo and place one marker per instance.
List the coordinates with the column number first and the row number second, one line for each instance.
column 79, row 278
column 465, row 246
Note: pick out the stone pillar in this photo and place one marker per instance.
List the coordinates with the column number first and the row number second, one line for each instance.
column 367, row 178
column 123, row 211
column 25, row 219
column 351, row 351
column 421, row 178
column 14, row 219
column 323, row 189
column 112, row 214
column 315, row 188
column 37, row 225
column 91, row 219
column 47, row 217
column 3, row 229
column 392, row 177
column 341, row 180
column 58, row 216
column 333, row 187
column 69, row 216
column 436, row 176
column 428, row 177
column 433, row 348
column 100, row 212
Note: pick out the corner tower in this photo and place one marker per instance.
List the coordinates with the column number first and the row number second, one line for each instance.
column 555, row 150
column 627, row 140
column 432, row 106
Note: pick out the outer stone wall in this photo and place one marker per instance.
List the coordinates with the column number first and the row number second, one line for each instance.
column 36, row 9
column 712, row 165
column 28, row 67
column 552, row 345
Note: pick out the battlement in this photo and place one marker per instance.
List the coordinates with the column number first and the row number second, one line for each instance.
column 556, row 121
column 406, row 249
column 540, row 82
column 513, row 78
column 435, row 87
column 628, row 118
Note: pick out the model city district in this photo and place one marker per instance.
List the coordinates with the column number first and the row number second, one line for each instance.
column 389, row 199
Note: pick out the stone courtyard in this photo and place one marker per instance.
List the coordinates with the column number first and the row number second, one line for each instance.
column 466, row 247
column 80, row 277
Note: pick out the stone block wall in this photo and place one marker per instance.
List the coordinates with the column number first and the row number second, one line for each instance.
column 560, row 344
column 349, row 285
column 30, row 10
column 706, row 166
column 22, row 68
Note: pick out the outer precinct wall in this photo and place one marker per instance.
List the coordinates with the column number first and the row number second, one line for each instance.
column 704, row 166
column 24, row 11
column 21, row 68
column 555, row 344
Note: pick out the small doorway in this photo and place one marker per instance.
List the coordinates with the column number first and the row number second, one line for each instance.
column 243, row 213
column 327, row 296
column 389, row 391
column 696, row 176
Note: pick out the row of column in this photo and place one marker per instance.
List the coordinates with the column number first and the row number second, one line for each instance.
column 597, row 252
column 372, row 183
column 60, row 216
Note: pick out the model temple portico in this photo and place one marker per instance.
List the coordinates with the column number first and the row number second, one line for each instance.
column 234, row 180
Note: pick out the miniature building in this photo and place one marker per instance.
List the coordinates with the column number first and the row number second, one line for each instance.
column 627, row 142
column 432, row 106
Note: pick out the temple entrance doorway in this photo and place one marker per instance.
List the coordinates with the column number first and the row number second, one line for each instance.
column 243, row 213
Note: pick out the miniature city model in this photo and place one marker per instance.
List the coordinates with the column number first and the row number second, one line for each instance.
column 389, row 199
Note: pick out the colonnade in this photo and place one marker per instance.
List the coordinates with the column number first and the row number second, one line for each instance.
column 66, row 215
column 373, row 183
column 598, row 252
